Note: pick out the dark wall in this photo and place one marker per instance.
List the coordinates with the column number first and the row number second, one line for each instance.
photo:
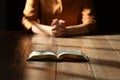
column 11, row 14
column 14, row 14
column 3, row 14
column 108, row 14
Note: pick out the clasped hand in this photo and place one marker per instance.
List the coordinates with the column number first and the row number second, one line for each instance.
column 58, row 27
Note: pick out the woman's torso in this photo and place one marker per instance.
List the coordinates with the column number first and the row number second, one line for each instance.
column 68, row 10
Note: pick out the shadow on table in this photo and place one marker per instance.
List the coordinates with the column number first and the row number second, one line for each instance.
column 98, row 33
column 105, row 62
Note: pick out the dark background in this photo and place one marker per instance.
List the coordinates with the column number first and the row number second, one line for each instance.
column 107, row 15
column 11, row 14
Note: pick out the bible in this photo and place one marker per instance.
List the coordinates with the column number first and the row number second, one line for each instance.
column 63, row 55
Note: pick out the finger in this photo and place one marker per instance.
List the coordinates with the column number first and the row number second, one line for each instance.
column 54, row 22
column 58, row 33
column 61, row 23
column 61, row 29
column 54, row 27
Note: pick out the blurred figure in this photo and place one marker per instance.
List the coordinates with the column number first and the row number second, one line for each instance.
column 59, row 17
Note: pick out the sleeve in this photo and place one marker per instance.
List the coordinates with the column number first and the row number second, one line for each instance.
column 89, row 15
column 30, row 13
column 88, row 12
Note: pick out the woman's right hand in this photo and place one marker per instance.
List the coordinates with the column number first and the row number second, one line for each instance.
column 58, row 27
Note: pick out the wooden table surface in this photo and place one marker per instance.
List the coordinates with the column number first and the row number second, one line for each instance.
column 103, row 52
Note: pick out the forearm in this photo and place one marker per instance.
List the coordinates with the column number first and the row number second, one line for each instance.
column 80, row 29
column 41, row 29
column 34, row 26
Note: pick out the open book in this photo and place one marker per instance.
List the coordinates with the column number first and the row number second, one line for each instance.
column 63, row 55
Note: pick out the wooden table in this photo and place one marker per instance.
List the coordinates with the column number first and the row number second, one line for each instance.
column 103, row 52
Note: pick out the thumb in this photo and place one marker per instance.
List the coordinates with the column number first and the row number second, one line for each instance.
column 54, row 22
column 61, row 23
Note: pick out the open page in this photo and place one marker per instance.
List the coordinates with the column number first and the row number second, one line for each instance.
column 42, row 55
column 72, row 54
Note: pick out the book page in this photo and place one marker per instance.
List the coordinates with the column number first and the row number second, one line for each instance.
column 38, row 55
column 73, row 54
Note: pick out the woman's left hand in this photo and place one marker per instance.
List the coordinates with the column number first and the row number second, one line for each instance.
column 59, row 28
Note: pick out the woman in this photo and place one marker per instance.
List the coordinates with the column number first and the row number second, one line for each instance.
column 59, row 17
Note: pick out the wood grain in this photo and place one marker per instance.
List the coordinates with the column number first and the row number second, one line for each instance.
column 103, row 52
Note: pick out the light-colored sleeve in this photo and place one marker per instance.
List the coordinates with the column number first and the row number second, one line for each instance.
column 89, row 15
column 30, row 13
